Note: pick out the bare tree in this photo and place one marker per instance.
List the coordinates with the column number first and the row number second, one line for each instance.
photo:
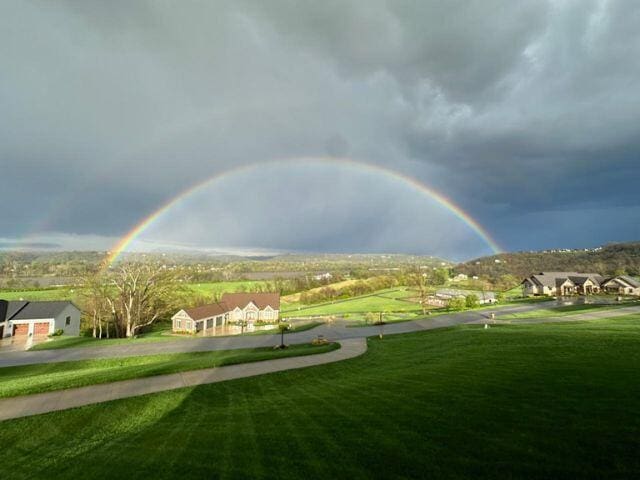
column 419, row 280
column 95, row 305
column 141, row 294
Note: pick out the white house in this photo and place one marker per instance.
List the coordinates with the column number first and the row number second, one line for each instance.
column 622, row 284
column 574, row 283
column 30, row 319
column 232, row 308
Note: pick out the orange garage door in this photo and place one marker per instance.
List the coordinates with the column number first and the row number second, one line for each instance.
column 41, row 328
column 21, row 329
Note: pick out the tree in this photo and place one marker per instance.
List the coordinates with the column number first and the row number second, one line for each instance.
column 93, row 301
column 419, row 280
column 370, row 317
column 140, row 294
column 440, row 276
column 471, row 301
column 456, row 303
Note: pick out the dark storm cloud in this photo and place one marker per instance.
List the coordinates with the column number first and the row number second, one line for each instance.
column 514, row 109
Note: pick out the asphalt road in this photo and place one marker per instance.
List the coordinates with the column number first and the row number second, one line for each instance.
column 335, row 332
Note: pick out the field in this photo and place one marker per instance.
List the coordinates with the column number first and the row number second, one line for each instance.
column 69, row 293
column 28, row 379
column 400, row 300
column 525, row 401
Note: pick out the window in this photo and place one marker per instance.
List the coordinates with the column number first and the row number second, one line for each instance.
column 68, row 321
column 188, row 325
column 178, row 324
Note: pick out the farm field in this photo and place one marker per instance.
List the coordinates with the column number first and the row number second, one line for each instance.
column 398, row 300
column 513, row 401
column 29, row 379
column 208, row 288
column 69, row 293
column 60, row 293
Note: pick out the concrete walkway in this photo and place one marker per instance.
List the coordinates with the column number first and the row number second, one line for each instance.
column 27, row 405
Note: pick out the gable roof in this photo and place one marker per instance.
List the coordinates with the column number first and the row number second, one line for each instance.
column 623, row 279
column 549, row 279
column 22, row 310
column 261, row 300
column 206, row 311
column 630, row 280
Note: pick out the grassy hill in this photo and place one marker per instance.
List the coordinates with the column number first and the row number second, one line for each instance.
column 607, row 260
column 527, row 401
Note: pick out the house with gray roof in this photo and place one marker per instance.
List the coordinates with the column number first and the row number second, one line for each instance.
column 576, row 283
column 621, row 285
column 20, row 318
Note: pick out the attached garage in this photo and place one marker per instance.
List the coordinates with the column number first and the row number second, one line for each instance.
column 38, row 319
column 21, row 329
column 41, row 328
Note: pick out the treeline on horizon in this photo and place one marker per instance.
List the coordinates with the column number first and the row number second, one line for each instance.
column 613, row 259
column 35, row 270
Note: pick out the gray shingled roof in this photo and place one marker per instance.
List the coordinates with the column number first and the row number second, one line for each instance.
column 21, row 310
column 549, row 278
column 630, row 280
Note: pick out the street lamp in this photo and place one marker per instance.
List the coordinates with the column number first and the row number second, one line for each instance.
column 283, row 328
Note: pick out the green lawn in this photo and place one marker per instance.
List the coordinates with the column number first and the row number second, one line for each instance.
column 61, row 293
column 69, row 293
column 388, row 300
column 208, row 288
column 527, row 401
column 565, row 310
column 157, row 333
column 160, row 333
column 44, row 377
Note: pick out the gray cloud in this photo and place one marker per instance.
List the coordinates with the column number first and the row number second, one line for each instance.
column 514, row 109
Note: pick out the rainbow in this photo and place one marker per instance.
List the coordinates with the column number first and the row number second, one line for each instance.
column 447, row 203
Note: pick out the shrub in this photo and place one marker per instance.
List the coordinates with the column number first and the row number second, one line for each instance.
column 456, row 303
column 471, row 301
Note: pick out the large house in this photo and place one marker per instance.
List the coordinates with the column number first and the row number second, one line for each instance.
column 622, row 284
column 575, row 283
column 30, row 319
column 232, row 308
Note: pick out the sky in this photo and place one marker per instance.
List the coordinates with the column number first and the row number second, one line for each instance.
column 526, row 115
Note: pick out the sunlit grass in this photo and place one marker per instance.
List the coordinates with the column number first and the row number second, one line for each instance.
column 526, row 401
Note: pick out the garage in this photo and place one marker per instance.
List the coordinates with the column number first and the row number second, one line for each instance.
column 21, row 329
column 41, row 328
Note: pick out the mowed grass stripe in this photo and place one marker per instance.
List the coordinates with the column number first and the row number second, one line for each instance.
column 526, row 401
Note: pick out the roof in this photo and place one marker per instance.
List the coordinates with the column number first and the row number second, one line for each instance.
column 630, row 280
column 206, row 311
column 261, row 300
column 625, row 279
column 549, row 279
column 22, row 310
column 561, row 280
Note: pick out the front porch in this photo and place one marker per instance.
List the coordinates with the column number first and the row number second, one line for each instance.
column 227, row 329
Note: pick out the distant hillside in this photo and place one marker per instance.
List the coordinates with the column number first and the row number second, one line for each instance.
column 606, row 260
